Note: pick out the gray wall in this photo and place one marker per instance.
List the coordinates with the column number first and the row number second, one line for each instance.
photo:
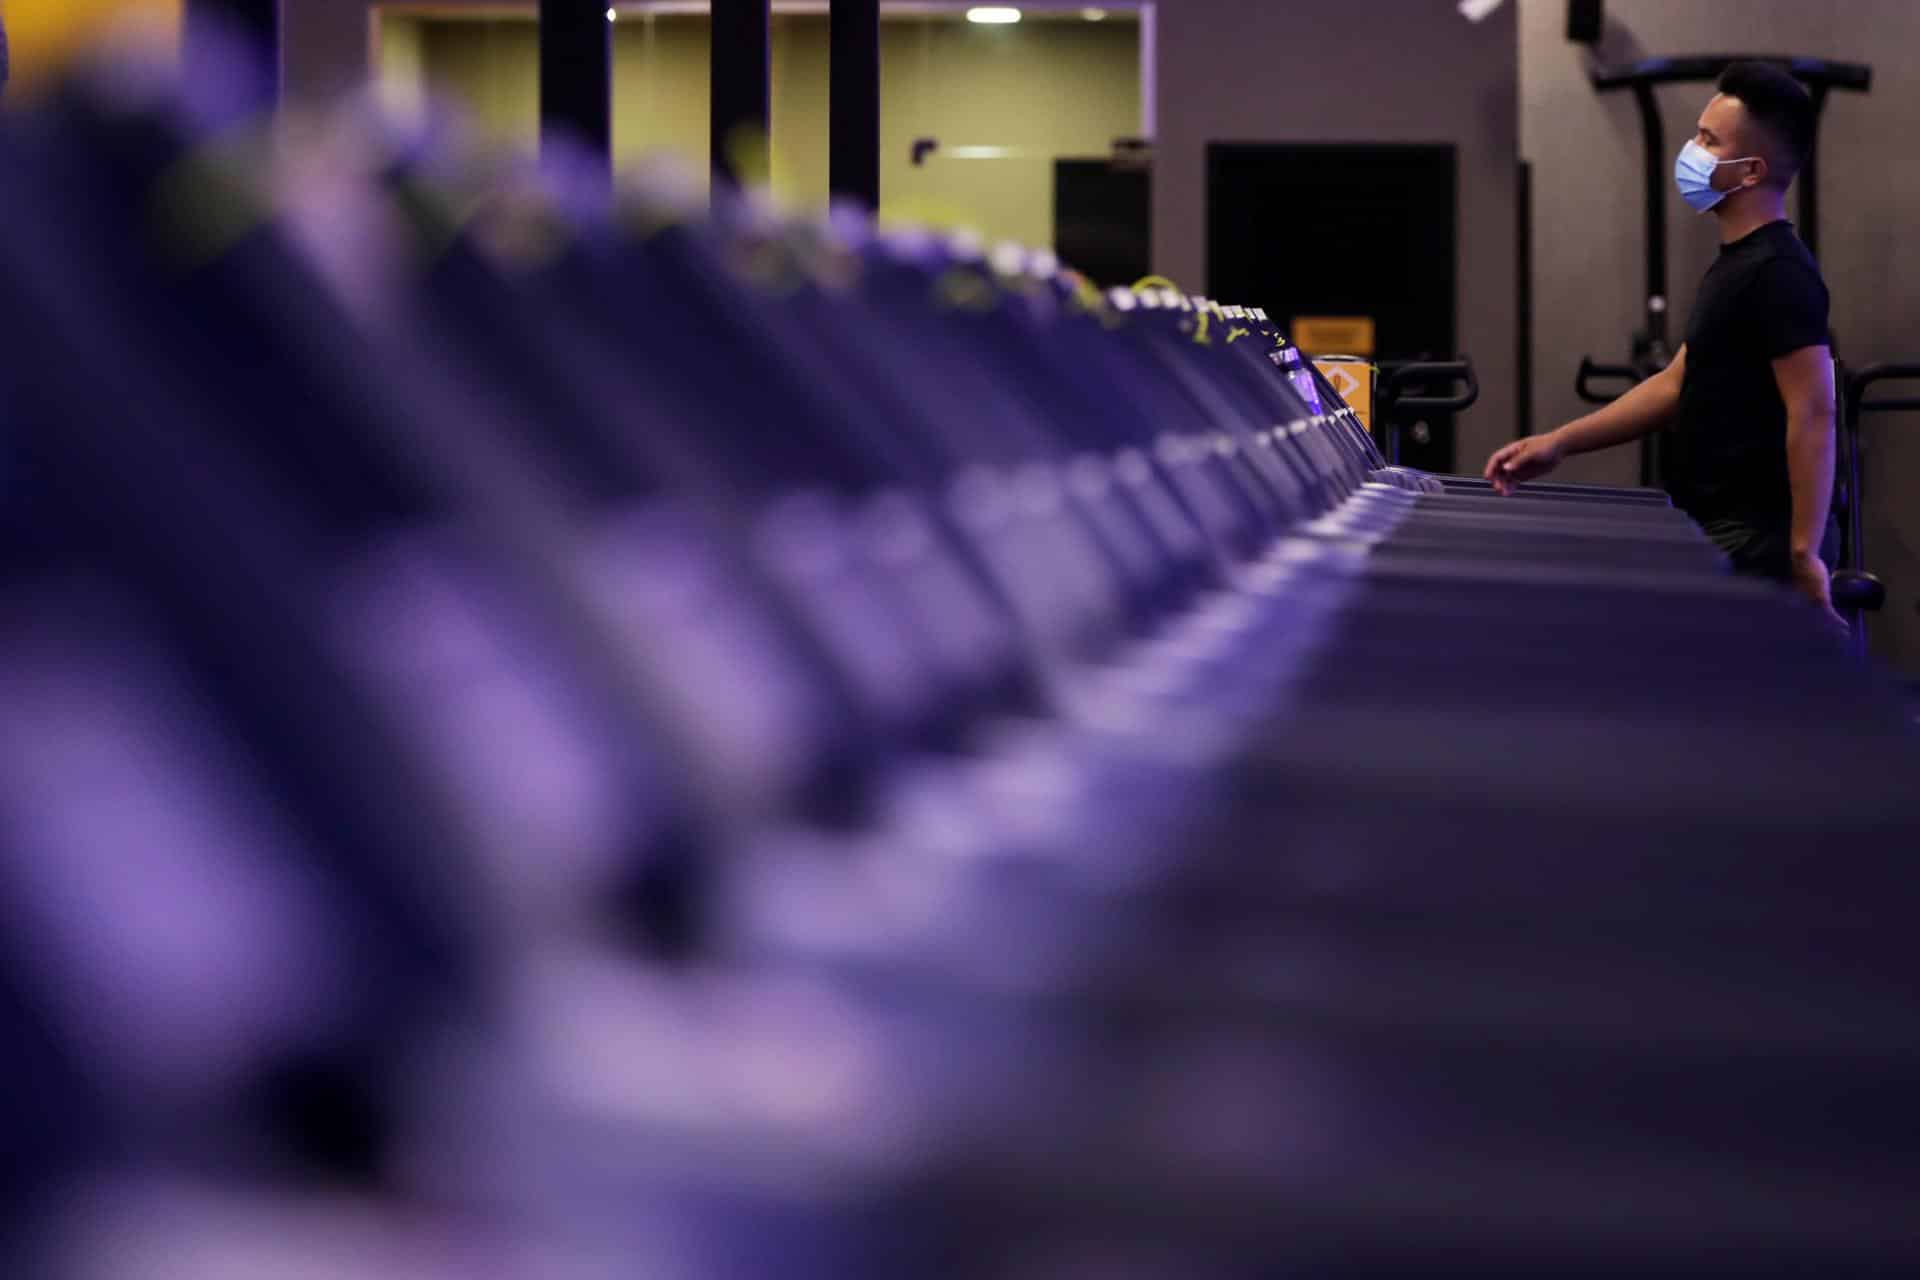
column 1365, row 71
column 1588, row 259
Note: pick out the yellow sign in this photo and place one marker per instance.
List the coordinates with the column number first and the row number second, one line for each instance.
column 1353, row 379
column 1334, row 335
column 45, row 35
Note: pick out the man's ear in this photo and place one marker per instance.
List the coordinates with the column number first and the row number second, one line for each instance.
column 1759, row 169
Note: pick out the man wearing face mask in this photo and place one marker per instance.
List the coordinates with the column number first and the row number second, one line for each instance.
column 1750, row 397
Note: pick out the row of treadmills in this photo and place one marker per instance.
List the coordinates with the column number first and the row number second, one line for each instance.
column 545, row 736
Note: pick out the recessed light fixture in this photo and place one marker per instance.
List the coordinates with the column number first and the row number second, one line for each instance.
column 993, row 15
column 1094, row 15
column 613, row 15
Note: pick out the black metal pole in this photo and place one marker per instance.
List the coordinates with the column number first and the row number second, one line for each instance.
column 1653, row 141
column 209, row 24
column 1851, row 553
column 853, row 148
column 1653, row 135
column 576, row 76
column 1810, row 177
column 742, row 87
column 1523, row 337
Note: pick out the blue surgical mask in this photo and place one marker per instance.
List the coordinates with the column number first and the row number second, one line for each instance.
column 1694, row 171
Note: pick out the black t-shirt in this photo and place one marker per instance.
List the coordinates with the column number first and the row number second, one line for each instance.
column 1726, row 457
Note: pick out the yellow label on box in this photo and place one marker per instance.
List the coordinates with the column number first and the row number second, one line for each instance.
column 1353, row 379
column 1334, row 335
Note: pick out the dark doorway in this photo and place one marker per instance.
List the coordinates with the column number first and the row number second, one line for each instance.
column 1102, row 219
column 1343, row 230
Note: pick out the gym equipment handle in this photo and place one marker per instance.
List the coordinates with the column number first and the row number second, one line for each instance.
column 1420, row 373
column 1855, row 591
column 1858, row 384
column 1701, row 68
column 1613, row 372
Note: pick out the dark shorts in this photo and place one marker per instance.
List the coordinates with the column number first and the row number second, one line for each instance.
column 1766, row 553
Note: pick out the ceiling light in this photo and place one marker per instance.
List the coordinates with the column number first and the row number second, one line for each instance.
column 993, row 15
column 1094, row 15
column 612, row 16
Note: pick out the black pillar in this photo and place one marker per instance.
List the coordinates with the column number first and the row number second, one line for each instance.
column 1810, row 177
column 1654, row 160
column 853, row 147
column 742, row 77
column 1523, row 331
column 211, row 23
column 1654, row 345
column 576, row 76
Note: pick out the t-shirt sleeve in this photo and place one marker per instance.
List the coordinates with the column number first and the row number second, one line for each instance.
column 1787, row 305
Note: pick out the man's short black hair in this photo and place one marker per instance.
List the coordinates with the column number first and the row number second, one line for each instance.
column 1780, row 104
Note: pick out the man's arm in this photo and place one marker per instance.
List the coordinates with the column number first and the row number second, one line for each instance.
column 1805, row 378
column 1647, row 408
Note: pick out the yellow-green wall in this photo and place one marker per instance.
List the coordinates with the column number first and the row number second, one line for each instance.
column 402, row 74
column 1040, row 90
column 489, row 68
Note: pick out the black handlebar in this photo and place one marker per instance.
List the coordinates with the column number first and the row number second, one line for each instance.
column 1612, row 372
column 1702, row 68
column 1396, row 382
column 1858, row 384
column 1396, row 407
column 1857, row 404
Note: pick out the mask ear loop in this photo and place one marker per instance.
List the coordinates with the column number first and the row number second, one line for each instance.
column 1743, row 160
